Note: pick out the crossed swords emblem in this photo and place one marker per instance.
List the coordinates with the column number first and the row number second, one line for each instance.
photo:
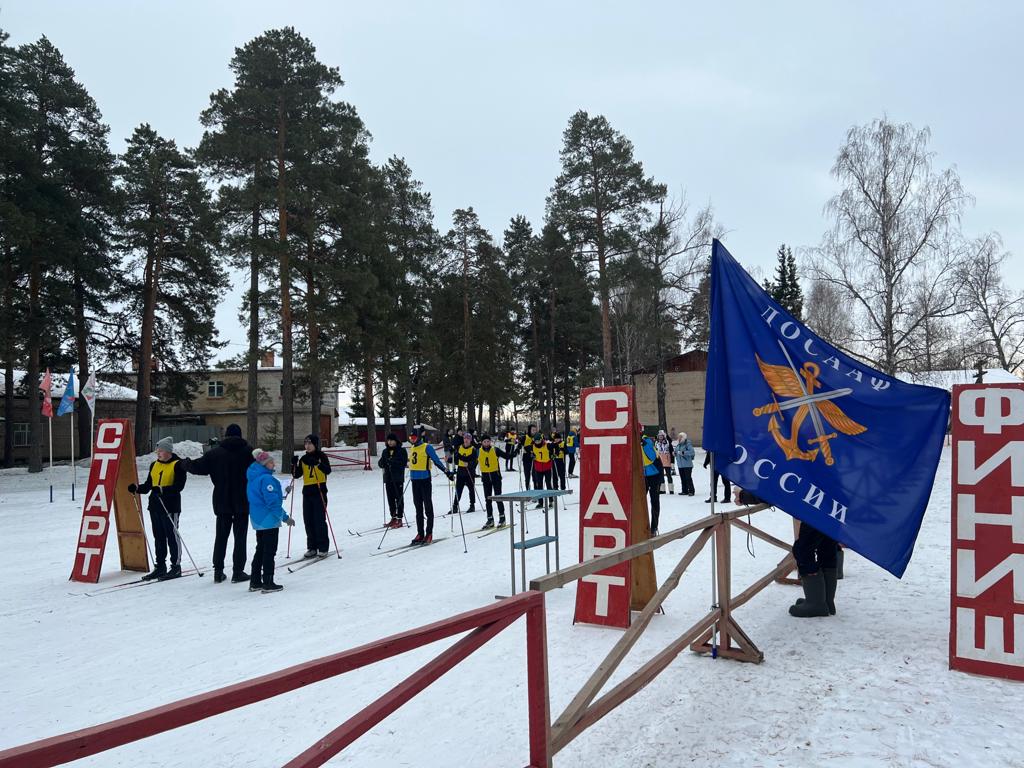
column 799, row 386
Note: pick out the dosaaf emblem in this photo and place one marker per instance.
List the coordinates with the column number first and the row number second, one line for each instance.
column 799, row 386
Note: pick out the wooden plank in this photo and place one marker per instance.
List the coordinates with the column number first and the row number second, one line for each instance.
column 335, row 741
column 632, row 684
column 611, row 662
column 573, row 572
column 99, row 738
column 743, row 597
column 762, row 535
column 538, row 700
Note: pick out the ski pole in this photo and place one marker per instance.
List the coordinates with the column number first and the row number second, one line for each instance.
column 177, row 533
column 291, row 507
column 465, row 550
column 330, row 526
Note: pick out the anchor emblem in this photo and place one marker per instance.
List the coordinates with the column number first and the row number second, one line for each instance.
column 799, row 386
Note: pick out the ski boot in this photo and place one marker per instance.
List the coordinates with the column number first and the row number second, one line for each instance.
column 173, row 573
column 501, row 521
column 428, row 540
column 309, row 555
column 420, row 538
column 157, row 573
column 239, row 577
column 489, row 523
column 323, row 553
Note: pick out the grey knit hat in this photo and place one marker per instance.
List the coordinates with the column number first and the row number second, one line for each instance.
column 166, row 444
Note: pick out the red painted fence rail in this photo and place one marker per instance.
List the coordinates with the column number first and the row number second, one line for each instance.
column 482, row 624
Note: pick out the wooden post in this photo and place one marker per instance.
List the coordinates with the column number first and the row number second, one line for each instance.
column 537, row 687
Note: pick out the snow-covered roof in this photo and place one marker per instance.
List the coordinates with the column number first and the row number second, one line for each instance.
column 105, row 390
column 946, row 379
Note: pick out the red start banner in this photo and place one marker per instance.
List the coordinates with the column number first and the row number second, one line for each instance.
column 986, row 634
column 112, row 469
column 608, row 433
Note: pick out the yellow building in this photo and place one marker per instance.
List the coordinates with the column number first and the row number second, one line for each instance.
column 685, row 375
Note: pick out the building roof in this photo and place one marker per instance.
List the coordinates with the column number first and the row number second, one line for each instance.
column 105, row 390
column 685, row 362
column 946, row 379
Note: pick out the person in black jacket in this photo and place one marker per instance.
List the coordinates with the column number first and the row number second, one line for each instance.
column 393, row 461
column 226, row 464
column 726, row 485
column 466, row 457
column 313, row 468
column 164, row 482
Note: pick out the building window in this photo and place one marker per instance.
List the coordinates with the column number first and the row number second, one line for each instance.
column 20, row 435
column 215, row 388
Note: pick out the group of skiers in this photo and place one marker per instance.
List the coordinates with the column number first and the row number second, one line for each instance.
column 245, row 492
column 467, row 455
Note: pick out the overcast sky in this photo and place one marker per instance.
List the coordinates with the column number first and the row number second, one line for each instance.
column 740, row 104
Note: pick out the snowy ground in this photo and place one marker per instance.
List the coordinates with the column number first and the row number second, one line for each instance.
column 868, row 687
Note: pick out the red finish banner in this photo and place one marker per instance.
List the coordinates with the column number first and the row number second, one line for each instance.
column 112, row 469
column 986, row 633
column 608, row 433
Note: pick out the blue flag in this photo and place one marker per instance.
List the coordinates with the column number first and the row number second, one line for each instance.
column 841, row 446
column 67, row 402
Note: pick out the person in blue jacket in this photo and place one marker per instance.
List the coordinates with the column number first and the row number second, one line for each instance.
column 652, row 477
column 421, row 454
column 266, row 512
column 684, row 463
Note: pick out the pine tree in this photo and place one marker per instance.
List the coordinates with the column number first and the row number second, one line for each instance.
column 600, row 199
column 281, row 100
column 61, row 192
column 171, row 237
column 785, row 288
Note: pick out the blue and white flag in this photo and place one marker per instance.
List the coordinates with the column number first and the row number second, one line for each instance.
column 841, row 446
column 67, row 402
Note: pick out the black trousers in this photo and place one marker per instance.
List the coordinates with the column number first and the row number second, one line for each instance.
column 527, row 469
column 314, row 518
column 572, row 462
column 165, row 537
column 236, row 523
column 465, row 480
column 686, row 481
column 509, row 447
column 726, row 486
column 492, row 487
column 423, row 500
column 814, row 550
column 542, row 479
column 653, row 490
column 393, row 487
column 560, row 473
column 262, row 572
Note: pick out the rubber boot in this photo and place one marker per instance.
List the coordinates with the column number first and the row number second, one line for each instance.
column 813, row 603
column 831, row 579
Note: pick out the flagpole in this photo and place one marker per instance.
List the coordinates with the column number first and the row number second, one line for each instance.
column 74, row 467
column 49, row 420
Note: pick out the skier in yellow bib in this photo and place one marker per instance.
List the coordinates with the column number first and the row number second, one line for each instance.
column 490, row 475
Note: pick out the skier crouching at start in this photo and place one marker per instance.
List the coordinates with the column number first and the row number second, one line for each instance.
column 164, row 484
column 266, row 511
column 421, row 454
column 313, row 468
column 490, row 475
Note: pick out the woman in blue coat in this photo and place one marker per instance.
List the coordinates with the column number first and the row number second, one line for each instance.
column 684, row 463
column 266, row 512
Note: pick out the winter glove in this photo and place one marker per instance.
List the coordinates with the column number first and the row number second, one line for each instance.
column 290, row 521
column 451, row 476
column 288, row 489
column 133, row 488
column 295, row 459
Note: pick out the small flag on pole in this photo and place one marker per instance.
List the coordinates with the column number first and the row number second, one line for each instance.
column 89, row 392
column 67, row 402
column 45, row 386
